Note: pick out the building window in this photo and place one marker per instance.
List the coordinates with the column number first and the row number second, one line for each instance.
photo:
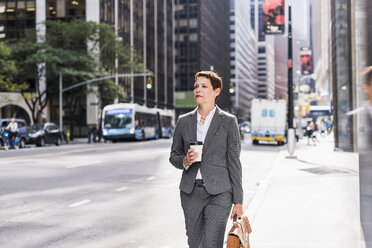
column 262, row 50
column 193, row 23
column 16, row 17
column 193, row 37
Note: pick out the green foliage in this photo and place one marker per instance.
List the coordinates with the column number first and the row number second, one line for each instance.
column 79, row 50
column 7, row 71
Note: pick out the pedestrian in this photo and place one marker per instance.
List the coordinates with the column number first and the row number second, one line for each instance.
column 13, row 131
column 89, row 134
column 323, row 128
column 65, row 136
column 210, row 186
column 309, row 132
column 94, row 132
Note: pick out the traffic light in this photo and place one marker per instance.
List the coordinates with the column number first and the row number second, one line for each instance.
column 232, row 88
column 149, row 83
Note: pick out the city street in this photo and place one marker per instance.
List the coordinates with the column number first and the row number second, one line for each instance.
column 103, row 195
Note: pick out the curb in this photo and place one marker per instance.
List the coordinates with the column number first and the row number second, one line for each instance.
column 252, row 209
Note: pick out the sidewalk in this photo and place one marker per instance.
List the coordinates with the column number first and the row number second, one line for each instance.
column 80, row 140
column 311, row 201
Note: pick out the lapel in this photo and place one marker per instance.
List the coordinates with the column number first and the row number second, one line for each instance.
column 192, row 125
column 216, row 122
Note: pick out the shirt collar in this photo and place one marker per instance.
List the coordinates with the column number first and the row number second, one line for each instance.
column 209, row 116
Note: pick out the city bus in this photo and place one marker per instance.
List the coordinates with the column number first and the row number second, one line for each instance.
column 133, row 121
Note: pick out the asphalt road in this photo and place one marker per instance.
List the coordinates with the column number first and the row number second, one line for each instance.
column 102, row 195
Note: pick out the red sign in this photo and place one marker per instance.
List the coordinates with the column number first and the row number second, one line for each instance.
column 306, row 61
column 289, row 64
column 273, row 16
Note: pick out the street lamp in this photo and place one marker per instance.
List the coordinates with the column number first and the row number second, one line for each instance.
column 119, row 39
column 61, row 90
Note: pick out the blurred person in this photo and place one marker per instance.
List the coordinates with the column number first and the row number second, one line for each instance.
column 367, row 88
column 365, row 158
column 92, row 133
column 309, row 132
column 328, row 126
column 89, row 127
column 13, row 131
column 64, row 133
column 210, row 187
column 322, row 128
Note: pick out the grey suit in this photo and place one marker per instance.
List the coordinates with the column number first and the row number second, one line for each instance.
column 207, row 208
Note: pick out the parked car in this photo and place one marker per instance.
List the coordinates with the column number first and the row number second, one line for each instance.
column 22, row 137
column 42, row 134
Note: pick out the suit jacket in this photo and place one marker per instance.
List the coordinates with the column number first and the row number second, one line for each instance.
column 220, row 166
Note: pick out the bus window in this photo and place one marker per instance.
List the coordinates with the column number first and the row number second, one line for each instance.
column 119, row 120
column 166, row 121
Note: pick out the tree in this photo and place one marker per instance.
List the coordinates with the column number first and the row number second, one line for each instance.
column 7, row 71
column 79, row 50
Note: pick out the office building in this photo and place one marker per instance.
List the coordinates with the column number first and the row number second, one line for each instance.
column 146, row 25
column 243, row 55
column 201, row 43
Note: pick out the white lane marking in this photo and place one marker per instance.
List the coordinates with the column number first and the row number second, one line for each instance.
column 83, row 164
column 79, row 203
column 150, row 178
column 121, row 189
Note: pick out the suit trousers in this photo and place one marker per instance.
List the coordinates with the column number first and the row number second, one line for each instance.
column 206, row 217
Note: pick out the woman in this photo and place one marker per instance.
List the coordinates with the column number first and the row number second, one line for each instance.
column 211, row 186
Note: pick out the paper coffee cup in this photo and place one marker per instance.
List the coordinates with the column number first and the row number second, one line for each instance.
column 199, row 149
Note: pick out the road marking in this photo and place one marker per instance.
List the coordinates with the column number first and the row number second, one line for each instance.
column 79, row 203
column 150, row 178
column 69, row 152
column 83, row 164
column 121, row 189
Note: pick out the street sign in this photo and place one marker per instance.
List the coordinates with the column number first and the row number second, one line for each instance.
column 273, row 16
column 306, row 61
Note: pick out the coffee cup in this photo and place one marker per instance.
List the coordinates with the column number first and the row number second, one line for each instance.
column 197, row 146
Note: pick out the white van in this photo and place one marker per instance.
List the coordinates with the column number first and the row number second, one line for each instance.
column 268, row 121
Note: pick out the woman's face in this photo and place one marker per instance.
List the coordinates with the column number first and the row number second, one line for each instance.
column 203, row 91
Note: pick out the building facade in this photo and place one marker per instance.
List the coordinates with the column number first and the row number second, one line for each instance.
column 201, row 43
column 146, row 25
column 320, row 20
column 266, row 59
column 243, row 55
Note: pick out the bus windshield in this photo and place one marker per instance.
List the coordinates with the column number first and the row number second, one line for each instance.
column 118, row 118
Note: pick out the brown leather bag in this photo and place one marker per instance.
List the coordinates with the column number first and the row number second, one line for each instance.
column 238, row 236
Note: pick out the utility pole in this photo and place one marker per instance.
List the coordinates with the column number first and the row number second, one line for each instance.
column 60, row 103
column 291, row 132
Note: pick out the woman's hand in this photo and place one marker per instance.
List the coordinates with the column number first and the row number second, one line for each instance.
column 238, row 210
column 191, row 157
